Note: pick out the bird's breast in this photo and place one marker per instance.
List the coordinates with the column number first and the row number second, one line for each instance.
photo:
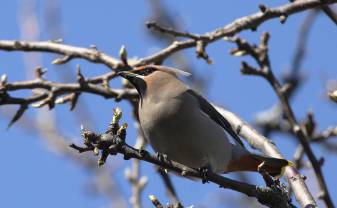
column 180, row 130
column 158, row 115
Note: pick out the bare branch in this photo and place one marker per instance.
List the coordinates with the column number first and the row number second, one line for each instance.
column 272, row 119
column 260, row 54
column 169, row 186
column 56, row 89
column 171, row 31
column 111, row 144
column 56, row 93
column 93, row 55
column 68, row 52
column 133, row 175
column 156, row 203
column 330, row 13
column 244, row 23
column 258, row 141
column 18, row 115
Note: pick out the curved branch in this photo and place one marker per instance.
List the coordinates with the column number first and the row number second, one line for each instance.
column 93, row 55
column 258, row 141
column 261, row 56
column 113, row 141
column 244, row 23
column 52, row 93
column 266, row 72
column 69, row 52
column 58, row 89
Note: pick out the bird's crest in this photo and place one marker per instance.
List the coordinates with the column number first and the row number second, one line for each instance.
column 148, row 69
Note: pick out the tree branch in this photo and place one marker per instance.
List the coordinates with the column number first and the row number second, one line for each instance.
column 52, row 91
column 93, row 55
column 260, row 54
column 113, row 142
column 258, row 141
column 330, row 13
column 244, row 23
column 69, row 52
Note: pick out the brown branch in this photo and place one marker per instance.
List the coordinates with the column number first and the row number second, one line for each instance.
column 260, row 54
column 58, row 89
column 93, row 55
column 171, row 31
column 302, row 40
column 330, row 13
column 58, row 93
column 298, row 155
column 169, row 187
column 244, row 23
column 156, row 203
column 111, row 144
column 161, row 15
column 45, row 126
column 258, row 141
column 133, row 175
column 272, row 119
column 324, row 135
column 68, row 52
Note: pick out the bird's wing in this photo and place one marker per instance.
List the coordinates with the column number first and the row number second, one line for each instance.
column 215, row 115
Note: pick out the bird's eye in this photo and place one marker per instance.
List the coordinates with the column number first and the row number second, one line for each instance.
column 148, row 71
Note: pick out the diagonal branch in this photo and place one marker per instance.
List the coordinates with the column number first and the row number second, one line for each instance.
column 50, row 93
column 330, row 13
column 93, row 55
column 69, row 52
column 244, row 23
column 52, row 90
column 113, row 141
column 260, row 54
column 58, row 89
column 258, row 141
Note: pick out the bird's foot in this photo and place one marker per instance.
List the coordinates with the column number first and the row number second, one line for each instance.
column 204, row 172
column 266, row 176
column 162, row 157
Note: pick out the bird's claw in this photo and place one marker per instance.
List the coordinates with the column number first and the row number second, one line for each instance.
column 204, row 172
column 162, row 157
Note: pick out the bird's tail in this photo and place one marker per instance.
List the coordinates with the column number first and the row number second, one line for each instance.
column 253, row 162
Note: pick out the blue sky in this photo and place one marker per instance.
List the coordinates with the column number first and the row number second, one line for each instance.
column 33, row 176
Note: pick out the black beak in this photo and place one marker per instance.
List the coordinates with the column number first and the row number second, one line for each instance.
column 135, row 80
column 126, row 74
column 131, row 77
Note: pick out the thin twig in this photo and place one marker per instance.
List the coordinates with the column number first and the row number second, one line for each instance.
column 330, row 13
column 260, row 54
column 169, row 186
column 69, row 52
column 133, row 175
column 244, row 23
column 171, row 31
column 258, row 141
column 93, row 55
column 111, row 144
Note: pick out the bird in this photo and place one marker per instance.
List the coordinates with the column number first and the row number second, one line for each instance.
column 183, row 126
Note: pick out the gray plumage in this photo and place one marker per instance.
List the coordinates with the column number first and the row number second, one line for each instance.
column 183, row 125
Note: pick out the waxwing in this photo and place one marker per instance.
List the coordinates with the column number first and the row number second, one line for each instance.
column 182, row 125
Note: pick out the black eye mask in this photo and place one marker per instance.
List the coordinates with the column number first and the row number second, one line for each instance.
column 146, row 71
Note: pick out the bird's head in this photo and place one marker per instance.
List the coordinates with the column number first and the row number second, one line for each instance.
column 151, row 77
